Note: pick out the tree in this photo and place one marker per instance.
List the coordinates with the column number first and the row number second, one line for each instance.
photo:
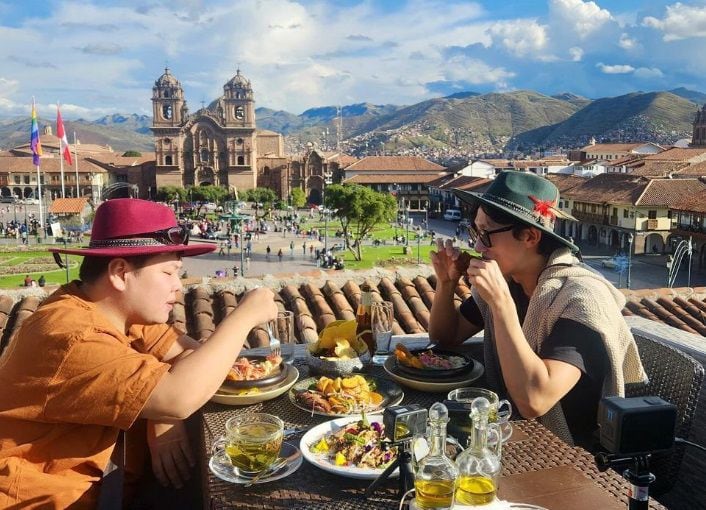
column 132, row 154
column 170, row 194
column 359, row 209
column 298, row 198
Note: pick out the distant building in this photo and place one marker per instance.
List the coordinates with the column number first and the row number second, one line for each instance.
column 698, row 138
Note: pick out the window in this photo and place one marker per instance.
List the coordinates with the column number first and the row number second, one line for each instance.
column 167, row 160
column 17, row 179
column 593, row 208
column 203, row 154
column 625, row 213
column 652, row 215
column 26, row 179
column 167, row 111
column 239, row 112
column 241, row 160
column 615, row 211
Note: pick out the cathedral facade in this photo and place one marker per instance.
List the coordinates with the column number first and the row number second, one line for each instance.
column 217, row 145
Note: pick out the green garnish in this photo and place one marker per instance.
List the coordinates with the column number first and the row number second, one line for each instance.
column 353, row 438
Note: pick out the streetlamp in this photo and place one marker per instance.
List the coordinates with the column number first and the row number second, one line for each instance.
column 630, row 240
column 419, row 240
column 406, row 219
column 242, row 243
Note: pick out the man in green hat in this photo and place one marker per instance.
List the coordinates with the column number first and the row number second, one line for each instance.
column 555, row 341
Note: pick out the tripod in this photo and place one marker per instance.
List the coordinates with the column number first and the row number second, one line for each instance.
column 406, row 477
column 638, row 475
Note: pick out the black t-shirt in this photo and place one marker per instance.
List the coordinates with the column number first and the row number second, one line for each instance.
column 573, row 343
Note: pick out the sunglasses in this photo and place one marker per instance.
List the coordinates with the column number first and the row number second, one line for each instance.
column 484, row 235
column 173, row 235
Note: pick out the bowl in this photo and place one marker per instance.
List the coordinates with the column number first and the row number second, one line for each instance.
column 435, row 373
column 334, row 366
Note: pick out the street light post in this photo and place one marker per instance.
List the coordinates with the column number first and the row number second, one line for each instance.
column 630, row 240
column 406, row 240
column 419, row 240
column 242, row 242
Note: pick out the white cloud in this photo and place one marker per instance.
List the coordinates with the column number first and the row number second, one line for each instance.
column 576, row 53
column 626, row 42
column 680, row 22
column 615, row 69
column 519, row 37
column 648, row 72
column 463, row 69
column 583, row 18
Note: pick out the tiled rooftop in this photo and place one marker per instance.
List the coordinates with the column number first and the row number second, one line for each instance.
column 321, row 297
column 661, row 192
column 609, row 188
column 387, row 163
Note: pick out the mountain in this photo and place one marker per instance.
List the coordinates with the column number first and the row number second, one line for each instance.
column 661, row 117
column 692, row 95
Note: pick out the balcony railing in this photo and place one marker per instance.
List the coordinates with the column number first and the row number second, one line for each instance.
column 600, row 219
column 652, row 224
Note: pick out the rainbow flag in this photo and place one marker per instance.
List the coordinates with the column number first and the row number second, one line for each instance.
column 34, row 142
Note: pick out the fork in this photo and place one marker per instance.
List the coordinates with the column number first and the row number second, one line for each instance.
column 275, row 346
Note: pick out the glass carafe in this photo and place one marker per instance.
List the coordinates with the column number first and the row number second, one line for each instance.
column 435, row 479
column 479, row 464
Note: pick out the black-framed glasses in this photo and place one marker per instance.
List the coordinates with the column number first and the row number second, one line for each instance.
column 173, row 235
column 484, row 235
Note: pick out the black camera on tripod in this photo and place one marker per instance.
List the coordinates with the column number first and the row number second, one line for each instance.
column 631, row 429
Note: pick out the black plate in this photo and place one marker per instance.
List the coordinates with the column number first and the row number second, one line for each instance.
column 278, row 375
column 434, row 373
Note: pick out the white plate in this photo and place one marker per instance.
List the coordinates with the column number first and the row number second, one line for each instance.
column 321, row 460
column 227, row 473
column 434, row 386
column 233, row 399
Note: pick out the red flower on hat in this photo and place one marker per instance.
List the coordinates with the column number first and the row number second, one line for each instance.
column 543, row 209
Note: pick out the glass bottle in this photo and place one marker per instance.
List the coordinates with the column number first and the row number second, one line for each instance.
column 479, row 464
column 436, row 474
column 364, row 320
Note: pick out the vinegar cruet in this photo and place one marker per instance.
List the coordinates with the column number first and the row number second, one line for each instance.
column 436, row 474
column 479, row 464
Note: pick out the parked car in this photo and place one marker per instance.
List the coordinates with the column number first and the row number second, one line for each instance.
column 609, row 263
column 452, row 215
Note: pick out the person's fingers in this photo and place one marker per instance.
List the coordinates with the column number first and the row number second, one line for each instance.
column 183, row 470
column 158, row 470
column 188, row 453
column 171, row 469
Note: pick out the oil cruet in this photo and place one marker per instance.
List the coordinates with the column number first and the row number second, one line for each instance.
column 479, row 464
column 436, row 474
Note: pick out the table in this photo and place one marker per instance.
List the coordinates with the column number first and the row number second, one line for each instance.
column 537, row 467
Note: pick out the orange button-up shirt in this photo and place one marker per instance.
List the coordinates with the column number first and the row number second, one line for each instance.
column 70, row 380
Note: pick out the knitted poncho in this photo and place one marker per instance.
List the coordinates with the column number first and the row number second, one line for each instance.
column 568, row 289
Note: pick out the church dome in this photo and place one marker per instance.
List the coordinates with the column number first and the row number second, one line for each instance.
column 238, row 81
column 167, row 80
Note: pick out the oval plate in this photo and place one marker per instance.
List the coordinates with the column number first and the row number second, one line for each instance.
column 276, row 376
column 433, row 385
column 435, row 373
column 227, row 397
column 391, row 393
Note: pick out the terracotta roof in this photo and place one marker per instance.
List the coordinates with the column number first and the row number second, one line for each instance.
column 387, row 163
column 119, row 160
column 612, row 147
column 609, row 188
column 661, row 192
column 68, row 205
column 318, row 299
column 648, row 168
column 497, row 163
column 52, row 142
column 440, row 180
column 689, row 155
column 565, row 182
column 466, row 182
column 51, row 164
column 693, row 170
column 390, row 179
column 630, row 158
column 692, row 203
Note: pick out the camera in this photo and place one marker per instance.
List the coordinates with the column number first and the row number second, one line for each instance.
column 403, row 423
column 636, row 425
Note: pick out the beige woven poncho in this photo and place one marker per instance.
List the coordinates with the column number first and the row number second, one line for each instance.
column 568, row 289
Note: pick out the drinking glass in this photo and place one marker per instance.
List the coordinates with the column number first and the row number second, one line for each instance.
column 251, row 444
column 500, row 410
column 283, row 330
column 381, row 319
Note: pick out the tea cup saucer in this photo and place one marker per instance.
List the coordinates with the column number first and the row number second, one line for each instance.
column 230, row 474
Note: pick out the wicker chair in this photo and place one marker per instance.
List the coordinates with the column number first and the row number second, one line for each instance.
column 676, row 377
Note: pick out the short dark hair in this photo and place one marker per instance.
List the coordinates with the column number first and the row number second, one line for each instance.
column 94, row 267
column 547, row 244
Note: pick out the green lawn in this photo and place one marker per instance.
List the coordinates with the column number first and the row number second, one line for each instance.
column 53, row 274
column 388, row 255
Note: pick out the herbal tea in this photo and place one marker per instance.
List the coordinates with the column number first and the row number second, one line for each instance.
column 475, row 490
column 434, row 493
column 254, row 446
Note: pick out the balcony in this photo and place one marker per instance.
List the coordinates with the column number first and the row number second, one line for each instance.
column 585, row 217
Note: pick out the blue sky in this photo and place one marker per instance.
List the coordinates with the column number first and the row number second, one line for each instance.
column 98, row 57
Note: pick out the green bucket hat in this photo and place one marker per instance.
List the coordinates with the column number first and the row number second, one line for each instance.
column 527, row 197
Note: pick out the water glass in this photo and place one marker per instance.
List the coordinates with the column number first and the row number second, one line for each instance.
column 251, row 444
column 381, row 319
column 283, row 329
column 500, row 410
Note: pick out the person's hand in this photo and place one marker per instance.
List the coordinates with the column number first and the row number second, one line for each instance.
column 172, row 458
column 443, row 260
column 489, row 281
column 258, row 306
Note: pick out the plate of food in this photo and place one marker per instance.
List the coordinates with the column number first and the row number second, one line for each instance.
column 354, row 447
column 246, row 396
column 434, row 385
column 344, row 396
column 435, row 363
column 256, row 372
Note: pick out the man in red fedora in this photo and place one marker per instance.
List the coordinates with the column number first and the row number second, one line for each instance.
column 98, row 355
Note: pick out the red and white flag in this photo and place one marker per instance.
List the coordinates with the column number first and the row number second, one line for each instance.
column 63, row 143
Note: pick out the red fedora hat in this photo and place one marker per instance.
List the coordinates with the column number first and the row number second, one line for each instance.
column 127, row 227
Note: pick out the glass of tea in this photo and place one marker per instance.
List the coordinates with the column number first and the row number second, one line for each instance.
column 381, row 318
column 500, row 411
column 251, row 444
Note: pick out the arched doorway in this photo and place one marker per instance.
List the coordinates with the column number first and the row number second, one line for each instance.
column 315, row 196
column 206, row 177
column 614, row 239
column 592, row 235
column 654, row 243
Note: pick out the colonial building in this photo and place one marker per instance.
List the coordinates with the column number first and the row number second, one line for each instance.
column 698, row 138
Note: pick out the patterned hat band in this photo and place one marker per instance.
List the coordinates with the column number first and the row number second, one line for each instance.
column 545, row 220
column 136, row 242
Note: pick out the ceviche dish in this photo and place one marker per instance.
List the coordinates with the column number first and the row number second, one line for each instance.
column 345, row 395
column 359, row 444
column 245, row 369
column 428, row 360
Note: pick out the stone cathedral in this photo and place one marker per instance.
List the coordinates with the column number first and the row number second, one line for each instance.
column 216, row 145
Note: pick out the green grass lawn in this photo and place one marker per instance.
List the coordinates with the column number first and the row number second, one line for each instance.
column 388, row 255
column 53, row 276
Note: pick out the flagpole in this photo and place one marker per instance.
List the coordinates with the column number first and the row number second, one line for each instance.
column 61, row 158
column 41, row 212
column 76, row 158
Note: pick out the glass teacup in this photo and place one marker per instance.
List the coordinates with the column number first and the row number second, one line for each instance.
column 500, row 411
column 251, row 444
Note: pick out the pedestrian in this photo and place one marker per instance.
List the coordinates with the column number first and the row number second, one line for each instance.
column 304, row 249
column 229, row 245
column 110, row 361
column 279, row 254
column 28, row 281
column 221, row 246
column 311, row 250
column 268, row 250
column 291, row 248
column 42, row 281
